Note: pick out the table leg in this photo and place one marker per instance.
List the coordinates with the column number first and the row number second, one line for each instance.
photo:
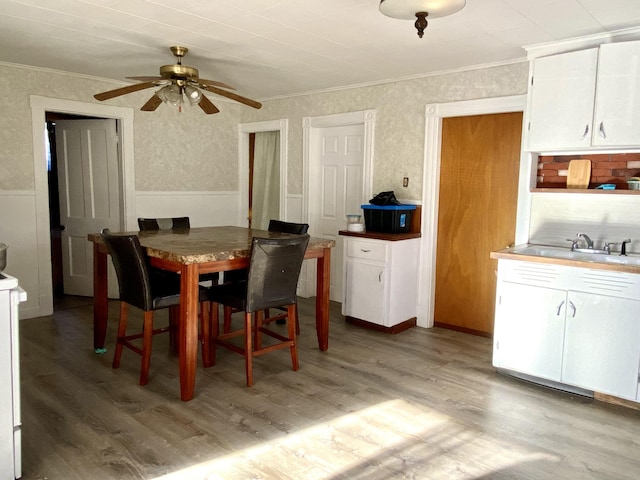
column 188, row 330
column 323, row 282
column 100, row 299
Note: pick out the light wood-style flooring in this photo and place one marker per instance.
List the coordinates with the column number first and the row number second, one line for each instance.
column 422, row 404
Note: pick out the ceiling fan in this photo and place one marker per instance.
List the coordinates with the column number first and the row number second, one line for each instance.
column 178, row 81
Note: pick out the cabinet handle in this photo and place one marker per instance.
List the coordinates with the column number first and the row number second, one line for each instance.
column 559, row 308
column 601, row 129
column 586, row 132
column 573, row 307
column 365, row 251
column 380, row 277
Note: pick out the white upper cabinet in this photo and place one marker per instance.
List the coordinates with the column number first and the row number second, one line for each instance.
column 561, row 101
column 586, row 99
column 617, row 110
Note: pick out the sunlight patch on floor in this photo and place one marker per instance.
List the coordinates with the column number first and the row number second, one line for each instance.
column 392, row 438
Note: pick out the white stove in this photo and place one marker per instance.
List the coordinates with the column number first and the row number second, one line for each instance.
column 7, row 282
column 10, row 436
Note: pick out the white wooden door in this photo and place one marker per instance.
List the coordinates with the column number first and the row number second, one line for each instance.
column 336, row 187
column 617, row 110
column 87, row 152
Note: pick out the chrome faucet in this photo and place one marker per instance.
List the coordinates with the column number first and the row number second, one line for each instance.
column 586, row 239
column 623, row 249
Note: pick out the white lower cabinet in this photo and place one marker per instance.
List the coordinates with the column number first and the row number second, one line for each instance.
column 575, row 326
column 528, row 334
column 380, row 280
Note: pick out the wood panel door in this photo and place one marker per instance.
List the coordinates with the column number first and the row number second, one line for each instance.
column 89, row 186
column 336, row 189
column 477, row 214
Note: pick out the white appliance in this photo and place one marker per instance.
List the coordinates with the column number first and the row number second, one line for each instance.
column 10, row 441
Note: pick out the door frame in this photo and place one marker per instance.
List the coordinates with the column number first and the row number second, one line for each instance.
column 311, row 127
column 434, row 113
column 244, row 129
column 39, row 106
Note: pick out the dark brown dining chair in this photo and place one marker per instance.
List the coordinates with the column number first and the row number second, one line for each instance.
column 239, row 275
column 272, row 281
column 175, row 224
column 149, row 289
column 168, row 223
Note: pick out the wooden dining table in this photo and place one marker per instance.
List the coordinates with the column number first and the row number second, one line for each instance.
column 190, row 253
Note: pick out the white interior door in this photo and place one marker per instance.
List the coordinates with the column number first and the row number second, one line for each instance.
column 336, row 186
column 87, row 152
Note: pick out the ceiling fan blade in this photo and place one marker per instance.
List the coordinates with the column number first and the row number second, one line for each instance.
column 207, row 107
column 213, row 83
column 233, row 96
column 123, row 91
column 153, row 103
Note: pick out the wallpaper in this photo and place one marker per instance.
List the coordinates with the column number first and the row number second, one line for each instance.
column 191, row 151
column 173, row 151
column 399, row 134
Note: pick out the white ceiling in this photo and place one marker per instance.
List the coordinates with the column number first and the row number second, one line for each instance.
column 269, row 48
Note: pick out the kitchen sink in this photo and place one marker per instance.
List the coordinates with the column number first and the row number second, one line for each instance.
column 582, row 255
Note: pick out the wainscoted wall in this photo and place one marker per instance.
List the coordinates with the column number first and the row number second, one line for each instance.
column 605, row 218
column 204, row 209
column 18, row 232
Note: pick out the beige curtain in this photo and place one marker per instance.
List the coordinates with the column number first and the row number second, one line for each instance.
column 266, row 179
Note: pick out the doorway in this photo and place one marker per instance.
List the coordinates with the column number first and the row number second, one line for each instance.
column 39, row 107
column 434, row 115
column 59, row 222
column 272, row 136
column 338, row 160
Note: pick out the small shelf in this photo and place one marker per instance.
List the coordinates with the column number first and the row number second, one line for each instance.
column 584, row 190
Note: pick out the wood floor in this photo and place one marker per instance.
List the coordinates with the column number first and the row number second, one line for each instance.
column 422, row 404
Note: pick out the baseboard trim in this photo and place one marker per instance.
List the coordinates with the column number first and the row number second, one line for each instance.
column 400, row 327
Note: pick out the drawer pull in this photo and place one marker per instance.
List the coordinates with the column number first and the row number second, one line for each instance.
column 365, row 251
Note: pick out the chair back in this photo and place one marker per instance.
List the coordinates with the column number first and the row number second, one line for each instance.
column 288, row 227
column 274, row 269
column 132, row 269
column 154, row 224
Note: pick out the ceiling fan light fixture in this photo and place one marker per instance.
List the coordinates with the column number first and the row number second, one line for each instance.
column 193, row 94
column 419, row 10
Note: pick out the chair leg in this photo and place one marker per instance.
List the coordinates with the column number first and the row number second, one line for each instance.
column 248, row 348
column 297, row 321
column 227, row 318
column 292, row 312
column 147, row 341
column 257, row 334
column 122, row 331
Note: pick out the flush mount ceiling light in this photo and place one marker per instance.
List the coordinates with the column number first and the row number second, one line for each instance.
column 420, row 9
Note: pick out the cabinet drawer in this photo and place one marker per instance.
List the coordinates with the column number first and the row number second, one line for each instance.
column 367, row 250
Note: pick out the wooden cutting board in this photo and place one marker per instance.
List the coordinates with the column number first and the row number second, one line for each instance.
column 579, row 174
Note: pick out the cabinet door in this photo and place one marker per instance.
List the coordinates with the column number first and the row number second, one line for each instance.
column 561, row 100
column 364, row 291
column 529, row 329
column 617, row 110
column 602, row 344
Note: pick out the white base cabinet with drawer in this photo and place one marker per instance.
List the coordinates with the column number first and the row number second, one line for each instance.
column 380, row 280
column 575, row 326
